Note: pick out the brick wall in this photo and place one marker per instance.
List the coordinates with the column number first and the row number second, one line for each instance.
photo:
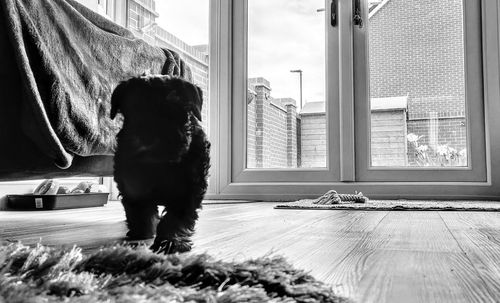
column 275, row 149
column 271, row 128
column 251, row 138
column 417, row 50
column 291, row 135
column 140, row 15
column 299, row 141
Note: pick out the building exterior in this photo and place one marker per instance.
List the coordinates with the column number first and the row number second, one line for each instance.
column 141, row 17
column 103, row 7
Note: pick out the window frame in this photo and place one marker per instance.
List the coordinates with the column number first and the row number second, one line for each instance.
column 226, row 183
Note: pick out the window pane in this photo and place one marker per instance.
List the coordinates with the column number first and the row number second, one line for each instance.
column 181, row 26
column 286, row 65
column 417, row 83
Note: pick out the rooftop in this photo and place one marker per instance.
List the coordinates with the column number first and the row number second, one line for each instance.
column 390, row 103
column 377, row 104
column 374, row 6
column 313, row 107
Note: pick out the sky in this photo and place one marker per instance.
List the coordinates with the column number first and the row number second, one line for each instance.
column 283, row 35
column 187, row 19
column 287, row 35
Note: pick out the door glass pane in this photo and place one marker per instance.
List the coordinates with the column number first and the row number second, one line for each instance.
column 417, row 83
column 286, row 121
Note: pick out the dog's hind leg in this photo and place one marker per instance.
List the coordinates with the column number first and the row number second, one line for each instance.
column 142, row 219
column 174, row 231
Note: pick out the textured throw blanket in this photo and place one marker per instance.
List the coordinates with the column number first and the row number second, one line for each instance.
column 60, row 63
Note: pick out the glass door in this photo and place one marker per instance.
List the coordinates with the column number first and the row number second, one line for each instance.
column 418, row 91
column 380, row 96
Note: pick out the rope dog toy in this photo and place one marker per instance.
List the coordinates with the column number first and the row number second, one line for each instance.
column 332, row 197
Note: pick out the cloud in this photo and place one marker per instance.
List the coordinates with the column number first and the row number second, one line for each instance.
column 283, row 35
column 187, row 19
column 286, row 35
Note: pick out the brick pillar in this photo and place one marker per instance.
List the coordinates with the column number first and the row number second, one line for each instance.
column 291, row 135
column 433, row 130
column 262, row 90
column 299, row 141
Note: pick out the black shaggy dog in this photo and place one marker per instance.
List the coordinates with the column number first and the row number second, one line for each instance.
column 162, row 158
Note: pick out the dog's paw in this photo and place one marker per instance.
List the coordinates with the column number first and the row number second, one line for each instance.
column 137, row 243
column 170, row 246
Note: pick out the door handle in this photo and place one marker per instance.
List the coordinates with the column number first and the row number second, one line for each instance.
column 333, row 13
column 357, row 19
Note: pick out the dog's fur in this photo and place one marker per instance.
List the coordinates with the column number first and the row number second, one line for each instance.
column 162, row 158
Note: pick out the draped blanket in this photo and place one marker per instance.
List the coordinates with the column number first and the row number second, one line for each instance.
column 59, row 65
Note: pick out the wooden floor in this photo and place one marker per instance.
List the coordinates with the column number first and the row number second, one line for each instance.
column 370, row 256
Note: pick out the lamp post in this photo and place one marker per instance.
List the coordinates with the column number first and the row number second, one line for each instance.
column 300, row 79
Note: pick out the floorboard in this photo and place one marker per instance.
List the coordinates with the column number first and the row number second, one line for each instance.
column 412, row 257
column 370, row 256
column 478, row 235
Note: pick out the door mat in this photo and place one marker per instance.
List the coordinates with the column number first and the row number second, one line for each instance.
column 419, row 205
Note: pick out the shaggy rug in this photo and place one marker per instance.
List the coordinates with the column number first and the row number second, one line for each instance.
column 121, row 273
column 452, row 205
